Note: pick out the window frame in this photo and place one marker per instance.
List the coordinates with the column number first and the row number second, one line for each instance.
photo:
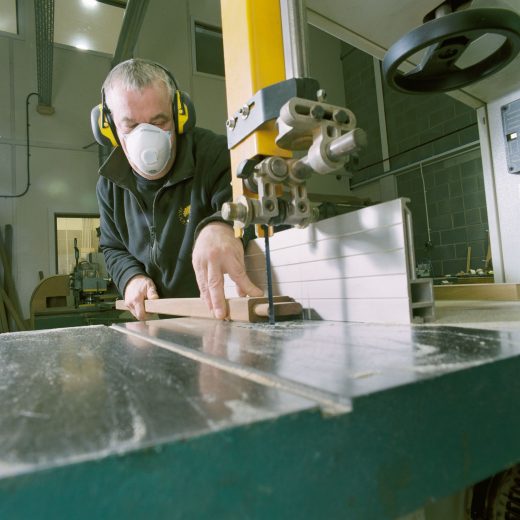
column 194, row 23
column 58, row 215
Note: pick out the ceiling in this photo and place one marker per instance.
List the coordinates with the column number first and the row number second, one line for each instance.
column 8, row 16
column 370, row 25
column 373, row 26
column 87, row 25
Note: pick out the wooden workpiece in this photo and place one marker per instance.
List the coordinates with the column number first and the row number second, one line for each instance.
column 239, row 309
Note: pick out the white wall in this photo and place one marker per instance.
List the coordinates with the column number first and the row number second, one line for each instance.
column 166, row 37
column 63, row 174
column 209, row 92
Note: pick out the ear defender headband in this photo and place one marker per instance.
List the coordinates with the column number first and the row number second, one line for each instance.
column 183, row 111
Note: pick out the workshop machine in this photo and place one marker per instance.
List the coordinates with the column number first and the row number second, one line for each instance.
column 281, row 129
column 84, row 297
column 198, row 418
column 88, row 281
column 283, row 110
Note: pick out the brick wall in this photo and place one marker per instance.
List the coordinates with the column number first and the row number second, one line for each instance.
column 418, row 128
column 456, row 212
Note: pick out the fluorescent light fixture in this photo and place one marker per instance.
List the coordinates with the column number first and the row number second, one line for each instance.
column 82, row 45
column 89, row 3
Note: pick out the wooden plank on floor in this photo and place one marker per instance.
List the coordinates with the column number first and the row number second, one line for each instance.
column 481, row 291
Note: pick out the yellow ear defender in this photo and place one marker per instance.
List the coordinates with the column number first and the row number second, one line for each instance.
column 104, row 129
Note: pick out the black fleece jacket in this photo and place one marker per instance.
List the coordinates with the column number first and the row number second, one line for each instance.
column 160, row 247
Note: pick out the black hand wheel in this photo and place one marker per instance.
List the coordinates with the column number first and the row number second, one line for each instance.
column 446, row 38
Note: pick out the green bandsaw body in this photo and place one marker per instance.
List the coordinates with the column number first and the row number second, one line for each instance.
column 194, row 418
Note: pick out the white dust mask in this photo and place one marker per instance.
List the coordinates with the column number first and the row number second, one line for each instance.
column 149, row 148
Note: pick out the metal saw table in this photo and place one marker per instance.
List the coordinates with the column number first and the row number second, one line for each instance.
column 194, row 418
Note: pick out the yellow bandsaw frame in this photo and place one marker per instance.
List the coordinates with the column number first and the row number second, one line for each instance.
column 253, row 59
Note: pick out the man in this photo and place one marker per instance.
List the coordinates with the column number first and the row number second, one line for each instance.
column 159, row 195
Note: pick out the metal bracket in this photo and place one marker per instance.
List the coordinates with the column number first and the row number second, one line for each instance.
column 265, row 105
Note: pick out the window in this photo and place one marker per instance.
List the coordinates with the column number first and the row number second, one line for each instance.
column 8, row 18
column 69, row 227
column 209, row 49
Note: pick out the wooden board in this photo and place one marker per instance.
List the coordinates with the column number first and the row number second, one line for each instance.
column 239, row 309
column 481, row 291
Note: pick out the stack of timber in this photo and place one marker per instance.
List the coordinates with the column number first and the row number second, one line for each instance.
column 10, row 310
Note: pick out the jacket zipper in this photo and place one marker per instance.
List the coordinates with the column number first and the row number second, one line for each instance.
column 151, row 228
column 153, row 243
column 153, row 235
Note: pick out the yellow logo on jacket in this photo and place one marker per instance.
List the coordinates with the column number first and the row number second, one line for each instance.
column 184, row 215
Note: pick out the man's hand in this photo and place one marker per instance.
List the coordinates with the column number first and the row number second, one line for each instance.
column 217, row 252
column 138, row 289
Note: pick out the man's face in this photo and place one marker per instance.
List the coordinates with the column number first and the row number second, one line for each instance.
column 152, row 105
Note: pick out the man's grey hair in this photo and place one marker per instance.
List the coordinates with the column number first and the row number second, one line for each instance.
column 135, row 75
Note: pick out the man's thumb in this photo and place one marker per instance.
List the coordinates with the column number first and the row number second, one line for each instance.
column 151, row 293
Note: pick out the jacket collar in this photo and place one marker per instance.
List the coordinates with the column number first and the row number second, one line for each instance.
column 117, row 168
